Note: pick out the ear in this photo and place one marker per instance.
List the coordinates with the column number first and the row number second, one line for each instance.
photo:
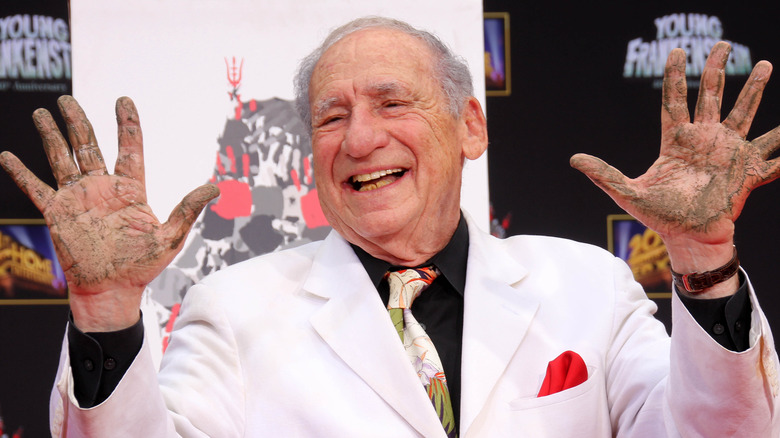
column 474, row 139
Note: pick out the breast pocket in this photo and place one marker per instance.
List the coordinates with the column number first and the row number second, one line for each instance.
column 581, row 411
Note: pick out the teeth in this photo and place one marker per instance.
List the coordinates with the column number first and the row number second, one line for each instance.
column 372, row 186
column 374, row 175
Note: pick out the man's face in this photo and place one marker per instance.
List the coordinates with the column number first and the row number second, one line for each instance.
column 387, row 152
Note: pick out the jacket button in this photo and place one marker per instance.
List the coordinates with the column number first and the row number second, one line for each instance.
column 88, row 365
column 109, row 364
column 718, row 328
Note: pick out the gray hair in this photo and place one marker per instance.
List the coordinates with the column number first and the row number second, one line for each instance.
column 450, row 69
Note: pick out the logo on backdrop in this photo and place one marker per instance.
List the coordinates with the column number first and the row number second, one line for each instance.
column 644, row 252
column 34, row 54
column 694, row 33
column 29, row 269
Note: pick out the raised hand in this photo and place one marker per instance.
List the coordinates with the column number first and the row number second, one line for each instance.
column 697, row 187
column 107, row 239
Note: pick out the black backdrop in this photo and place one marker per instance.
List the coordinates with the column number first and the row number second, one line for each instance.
column 30, row 335
column 568, row 96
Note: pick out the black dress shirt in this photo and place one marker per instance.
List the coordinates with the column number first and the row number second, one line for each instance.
column 99, row 360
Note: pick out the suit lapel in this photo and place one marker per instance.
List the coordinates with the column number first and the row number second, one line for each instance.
column 355, row 324
column 496, row 319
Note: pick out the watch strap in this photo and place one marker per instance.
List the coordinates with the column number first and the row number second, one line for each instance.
column 697, row 282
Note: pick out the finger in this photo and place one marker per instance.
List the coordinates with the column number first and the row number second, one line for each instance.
column 82, row 137
column 741, row 116
column 130, row 158
column 184, row 215
column 608, row 178
column 711, row 87
column 38, row 191
column 772, row 171
column 768, row 143
column 57, row 150
column 675, row 92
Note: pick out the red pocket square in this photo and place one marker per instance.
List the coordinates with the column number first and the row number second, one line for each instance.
column 566, row 371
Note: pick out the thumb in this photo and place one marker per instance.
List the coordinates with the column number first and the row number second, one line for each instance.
column 608, row 178
column 186, row 212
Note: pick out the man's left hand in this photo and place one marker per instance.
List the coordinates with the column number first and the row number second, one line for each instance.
column 697, row 187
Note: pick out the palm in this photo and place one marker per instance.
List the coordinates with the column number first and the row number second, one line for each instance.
column 706, row 169
column 104, row 240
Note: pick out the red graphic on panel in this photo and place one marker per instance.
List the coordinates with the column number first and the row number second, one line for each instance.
column 169, row 326
column 235, row 197
column 234, row 78
column 268, row 198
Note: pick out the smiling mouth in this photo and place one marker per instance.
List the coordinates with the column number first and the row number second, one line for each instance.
column 375, row 180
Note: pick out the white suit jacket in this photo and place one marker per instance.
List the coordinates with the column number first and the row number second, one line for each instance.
column 298, row 343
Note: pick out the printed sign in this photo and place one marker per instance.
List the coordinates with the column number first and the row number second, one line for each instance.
column 29, row 270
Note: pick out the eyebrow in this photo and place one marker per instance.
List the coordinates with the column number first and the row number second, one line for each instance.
column 321, row 107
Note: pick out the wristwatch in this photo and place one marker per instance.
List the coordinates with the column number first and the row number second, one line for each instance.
column 699, row 281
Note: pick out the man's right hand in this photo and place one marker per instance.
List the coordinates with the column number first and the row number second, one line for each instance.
column 107, row 239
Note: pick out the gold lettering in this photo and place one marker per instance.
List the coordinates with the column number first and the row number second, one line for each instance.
column 23, row 262
column 648, row 254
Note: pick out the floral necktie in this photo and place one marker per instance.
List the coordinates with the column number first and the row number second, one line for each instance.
column 405, row 286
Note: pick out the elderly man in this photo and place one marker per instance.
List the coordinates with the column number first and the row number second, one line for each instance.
column 305, row 342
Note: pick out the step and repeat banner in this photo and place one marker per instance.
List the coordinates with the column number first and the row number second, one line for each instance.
column 587, row 78
column 213, row 85
column 36, row 66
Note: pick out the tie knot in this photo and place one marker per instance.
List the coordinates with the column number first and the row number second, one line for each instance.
column 407, row 284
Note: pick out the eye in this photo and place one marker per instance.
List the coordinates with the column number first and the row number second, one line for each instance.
column 394, row 107
column 330, row 119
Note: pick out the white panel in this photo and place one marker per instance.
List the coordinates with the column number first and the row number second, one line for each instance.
column 168, row 55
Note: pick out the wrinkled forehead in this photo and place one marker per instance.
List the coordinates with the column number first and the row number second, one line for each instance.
column 375, row 50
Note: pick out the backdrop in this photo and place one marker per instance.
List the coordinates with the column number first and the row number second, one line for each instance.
column 585, row 78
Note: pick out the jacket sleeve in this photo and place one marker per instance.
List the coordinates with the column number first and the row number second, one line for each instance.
column 198, row 392
column 136, row 403
column 708, row 391
column 716, row 392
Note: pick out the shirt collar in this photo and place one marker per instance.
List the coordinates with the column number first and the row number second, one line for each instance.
column 451, row 260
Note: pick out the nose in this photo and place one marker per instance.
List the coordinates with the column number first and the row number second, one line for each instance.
column 365, row 133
